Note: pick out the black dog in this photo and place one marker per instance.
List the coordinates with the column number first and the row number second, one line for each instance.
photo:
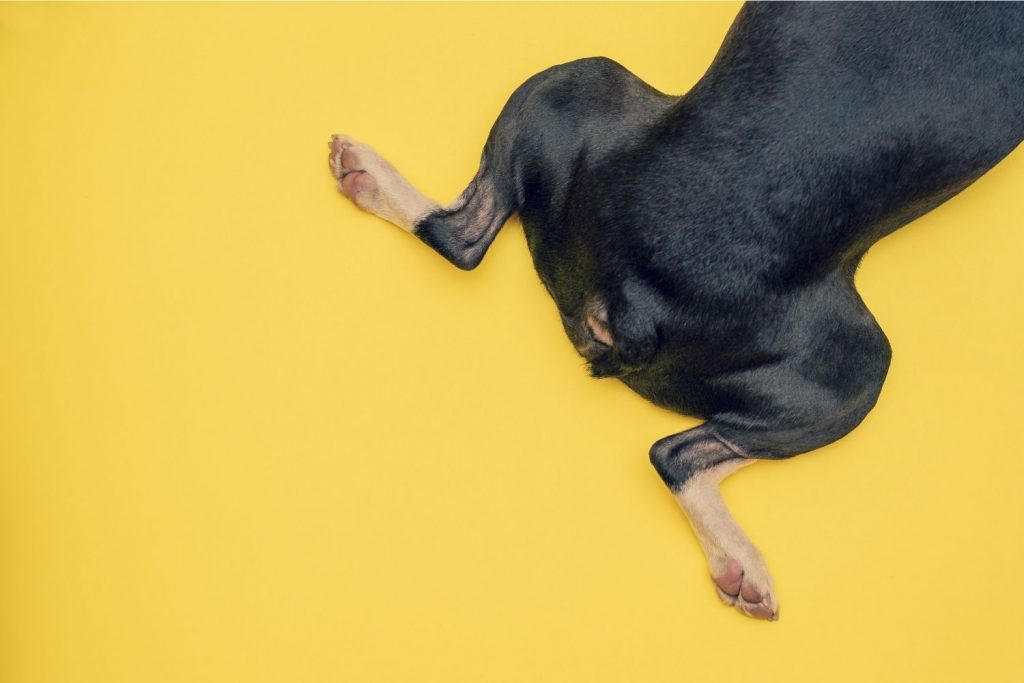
column 702, row 248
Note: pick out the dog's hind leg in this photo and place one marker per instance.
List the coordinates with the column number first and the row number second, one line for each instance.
column 798, row 403
column 461, row 231
column 585, row 110
column 692, row 464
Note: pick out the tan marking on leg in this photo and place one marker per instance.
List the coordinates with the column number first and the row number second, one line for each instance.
column 739, row 570
column 365, row 177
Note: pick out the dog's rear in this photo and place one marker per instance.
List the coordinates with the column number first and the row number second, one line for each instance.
column 702, row 248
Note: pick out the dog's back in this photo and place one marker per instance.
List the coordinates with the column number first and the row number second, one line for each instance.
column 869, row 112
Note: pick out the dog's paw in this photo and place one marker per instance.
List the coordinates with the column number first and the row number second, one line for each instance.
column 747, row 586
column 374, row 185
column 355, row 179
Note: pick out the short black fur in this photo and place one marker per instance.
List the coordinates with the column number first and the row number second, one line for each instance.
column 721, row 230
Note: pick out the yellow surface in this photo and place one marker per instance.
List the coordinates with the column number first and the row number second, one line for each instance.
column 251, row 434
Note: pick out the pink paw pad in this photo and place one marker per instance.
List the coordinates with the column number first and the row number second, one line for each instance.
column 354, row 182
column 351, row 176
column 731, row 580
column 743, row 595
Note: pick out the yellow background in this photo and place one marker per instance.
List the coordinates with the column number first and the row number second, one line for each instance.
column 249, row 433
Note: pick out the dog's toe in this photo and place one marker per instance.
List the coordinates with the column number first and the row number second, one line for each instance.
column 339, row 145
column 730, row 581
column 355, row 182
column 747, row 587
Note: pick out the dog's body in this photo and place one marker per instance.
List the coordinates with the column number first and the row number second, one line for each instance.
column 702, row 248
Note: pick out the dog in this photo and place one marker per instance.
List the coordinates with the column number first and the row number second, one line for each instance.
column 702, row 248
